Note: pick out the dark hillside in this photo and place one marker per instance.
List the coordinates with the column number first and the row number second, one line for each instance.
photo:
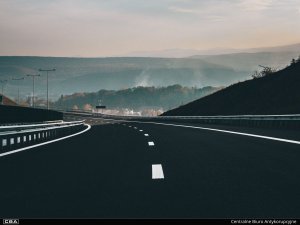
column 277, row 93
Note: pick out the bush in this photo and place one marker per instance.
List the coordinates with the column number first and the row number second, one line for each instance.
column 295, row 61
column 265, row 72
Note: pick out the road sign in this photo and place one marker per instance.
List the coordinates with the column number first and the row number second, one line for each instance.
column 100, row 107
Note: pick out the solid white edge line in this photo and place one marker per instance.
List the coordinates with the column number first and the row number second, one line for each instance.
column 45, row 143
column 223, row 131
column 146, row 135
column 234, row 132
column 157, row 171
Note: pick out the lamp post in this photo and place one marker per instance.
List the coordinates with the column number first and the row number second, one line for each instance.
column 33, row 77
column 3, row 83
column 22, row 78
column 47, row 70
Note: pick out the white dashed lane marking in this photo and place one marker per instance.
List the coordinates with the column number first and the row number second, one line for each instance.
column 157, row 171
column 151, row 143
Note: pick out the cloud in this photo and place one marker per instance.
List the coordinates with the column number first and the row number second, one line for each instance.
column 255, row 5
column 204, row 11
column 185, row 10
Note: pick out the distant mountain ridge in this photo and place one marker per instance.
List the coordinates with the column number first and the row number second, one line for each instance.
column 181, row 53
column 250, row 61
column 92, row 74
column 277, row 93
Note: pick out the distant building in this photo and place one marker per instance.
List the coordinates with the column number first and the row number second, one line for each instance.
column 7, row 101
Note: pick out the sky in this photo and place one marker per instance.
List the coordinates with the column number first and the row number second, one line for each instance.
column 97, row 28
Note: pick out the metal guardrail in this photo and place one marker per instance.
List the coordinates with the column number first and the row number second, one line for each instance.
column 17, row 136
column 235, row 117
column 277, row 121
column 35, row 125
column 28, row 123
column 252, row 117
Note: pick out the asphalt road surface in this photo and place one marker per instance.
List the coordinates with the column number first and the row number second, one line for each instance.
column 144, row 170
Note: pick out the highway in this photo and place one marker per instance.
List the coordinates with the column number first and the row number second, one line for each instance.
column 122, row 169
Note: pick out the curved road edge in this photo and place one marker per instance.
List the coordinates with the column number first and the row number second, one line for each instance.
column 47, row 142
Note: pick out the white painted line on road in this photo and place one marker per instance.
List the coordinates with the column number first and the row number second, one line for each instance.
column 157, row 172
column 224, row 131
column 129, row 126
column 141, row 130
column 232, row 132
column 45, row 143
column 151, row 143
column 135, row 127
column 146, row 135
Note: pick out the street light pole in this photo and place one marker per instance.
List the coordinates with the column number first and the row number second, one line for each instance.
column 2, row 83
column 22, row 78
column 47, row 70
column 33, row 77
